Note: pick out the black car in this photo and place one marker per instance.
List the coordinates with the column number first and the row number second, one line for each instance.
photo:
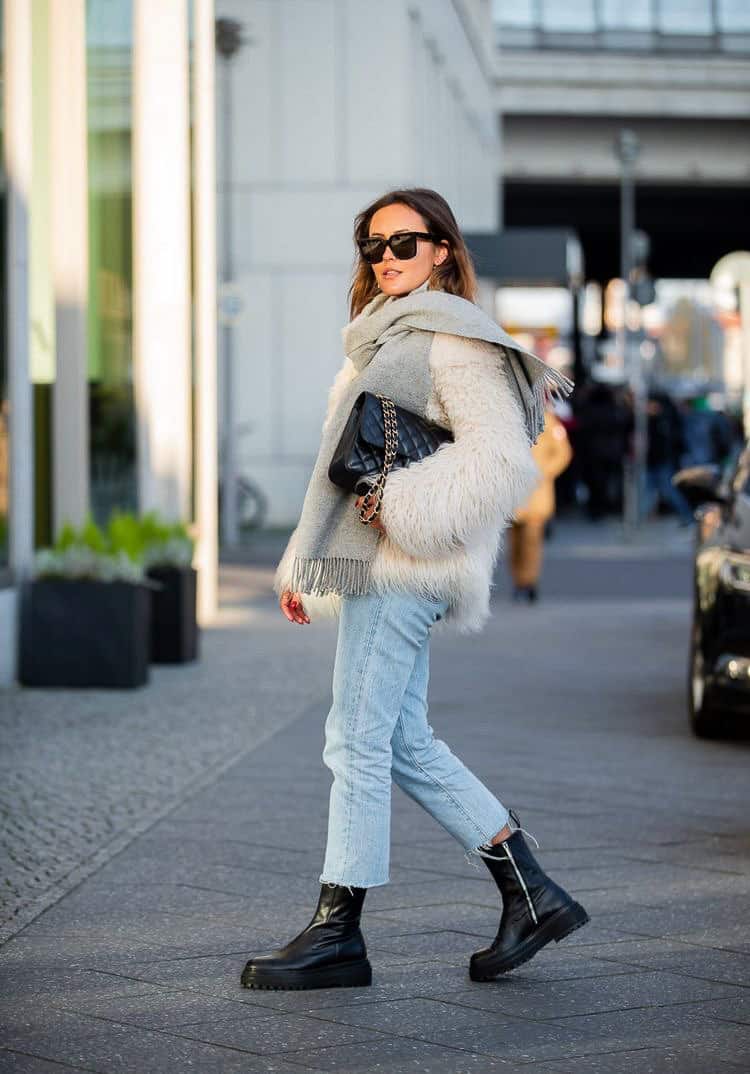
column 719, row 664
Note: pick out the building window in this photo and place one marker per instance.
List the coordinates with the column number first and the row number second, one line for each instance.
column 573, row 16
column 626, row 14
column 684, row 17
column 109, row 52
column 4, row 413
column 635, row 25
column 521, row 15
column 733, row 16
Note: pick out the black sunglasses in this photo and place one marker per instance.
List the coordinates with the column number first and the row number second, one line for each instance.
column 403, row 246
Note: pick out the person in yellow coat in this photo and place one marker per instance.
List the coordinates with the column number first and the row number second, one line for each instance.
column 552, row 453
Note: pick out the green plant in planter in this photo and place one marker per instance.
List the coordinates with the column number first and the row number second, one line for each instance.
column 86, row 552
column 167, row 551
column 125, row 535
column 123, row 552
column 165, row 544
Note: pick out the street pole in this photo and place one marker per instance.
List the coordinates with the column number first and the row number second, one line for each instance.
column 228, row 43
column 627, row 150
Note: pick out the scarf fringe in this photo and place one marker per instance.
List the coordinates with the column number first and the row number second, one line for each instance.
column 318, row 577
column 553, row 384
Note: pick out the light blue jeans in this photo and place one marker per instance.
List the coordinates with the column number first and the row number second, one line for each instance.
column 377, row 730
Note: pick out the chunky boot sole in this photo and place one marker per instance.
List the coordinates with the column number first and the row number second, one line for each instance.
column 348, row 975
column 556, row 928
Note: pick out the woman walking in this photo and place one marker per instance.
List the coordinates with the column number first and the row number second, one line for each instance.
column 552, row 453
column 416, row 337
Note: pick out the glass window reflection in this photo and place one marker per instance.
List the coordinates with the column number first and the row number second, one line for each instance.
column 634, row 20
column 733, row 15
column 520, row 15
column 626, row 14
column 685, row 17
column 4, row 410
column 572, row 15
column 110, row 325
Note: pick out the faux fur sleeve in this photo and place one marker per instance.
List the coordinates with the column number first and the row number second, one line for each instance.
column 283, row 576
column 482, row 477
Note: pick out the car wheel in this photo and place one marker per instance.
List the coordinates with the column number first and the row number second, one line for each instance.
column 706, row 719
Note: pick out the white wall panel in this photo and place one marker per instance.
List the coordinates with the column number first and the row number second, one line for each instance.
column 294, row 229
column 304, row 75
column 256, row 99
column 256, row 362
column 311, row 353
column 379, row 85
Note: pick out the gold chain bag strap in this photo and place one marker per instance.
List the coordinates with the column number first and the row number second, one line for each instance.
column 373, row 499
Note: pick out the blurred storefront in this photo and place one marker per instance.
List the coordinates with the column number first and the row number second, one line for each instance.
column 107, row 360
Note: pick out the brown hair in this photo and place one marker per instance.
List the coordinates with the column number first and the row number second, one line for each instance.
column 455, row 275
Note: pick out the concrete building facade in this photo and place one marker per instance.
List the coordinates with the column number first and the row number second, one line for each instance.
column 335, row 102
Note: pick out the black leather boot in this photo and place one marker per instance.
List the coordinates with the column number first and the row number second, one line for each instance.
column 536, row 910
column 329, row 953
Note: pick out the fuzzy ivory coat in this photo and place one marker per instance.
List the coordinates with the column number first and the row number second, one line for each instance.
column 445, row 516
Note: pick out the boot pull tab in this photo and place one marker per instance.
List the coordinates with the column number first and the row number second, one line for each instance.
column 514, row 817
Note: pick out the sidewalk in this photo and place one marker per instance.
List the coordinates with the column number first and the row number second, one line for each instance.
column 572, row 537
column 136, row 967
column 660, row 537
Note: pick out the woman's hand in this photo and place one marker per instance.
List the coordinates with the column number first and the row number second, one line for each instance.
column 377, row 524
column 292, row 607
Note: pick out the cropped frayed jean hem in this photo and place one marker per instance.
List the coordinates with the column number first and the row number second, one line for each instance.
column 377, row 732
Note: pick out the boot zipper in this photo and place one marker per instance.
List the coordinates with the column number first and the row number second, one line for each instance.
column 522, row 882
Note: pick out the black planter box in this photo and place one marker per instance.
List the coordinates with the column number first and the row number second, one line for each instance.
column 84, row 633
column 174, row 624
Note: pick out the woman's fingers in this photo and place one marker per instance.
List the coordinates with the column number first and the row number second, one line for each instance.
column 376, row 524
column 298, row 608
column 292, row 607
column 284, row 600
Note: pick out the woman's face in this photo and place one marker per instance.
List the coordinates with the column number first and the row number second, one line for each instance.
column 396, row 277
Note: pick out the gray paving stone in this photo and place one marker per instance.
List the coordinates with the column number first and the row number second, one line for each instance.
column 474, row 918
column 457, row 1026
column 400, row 1056
column 694, row 960
column 153, row 1009
column 283, row 1034
column 676, row 1027
column 432, row 944
column 693, row 1059
column 20, row 1063
column 106, row 1046
column 556, row 1000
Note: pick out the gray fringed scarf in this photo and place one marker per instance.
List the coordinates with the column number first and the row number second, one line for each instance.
column 389, row 343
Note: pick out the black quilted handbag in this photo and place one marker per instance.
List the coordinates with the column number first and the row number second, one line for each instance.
column 378, row 437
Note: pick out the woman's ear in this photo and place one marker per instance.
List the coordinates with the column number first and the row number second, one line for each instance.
column 442, row 254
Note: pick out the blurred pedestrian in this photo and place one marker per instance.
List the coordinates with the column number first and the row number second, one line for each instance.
column 426, row 555
column 552, row 454
column 666, row 444
column 602, row 433
column 708, row 433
